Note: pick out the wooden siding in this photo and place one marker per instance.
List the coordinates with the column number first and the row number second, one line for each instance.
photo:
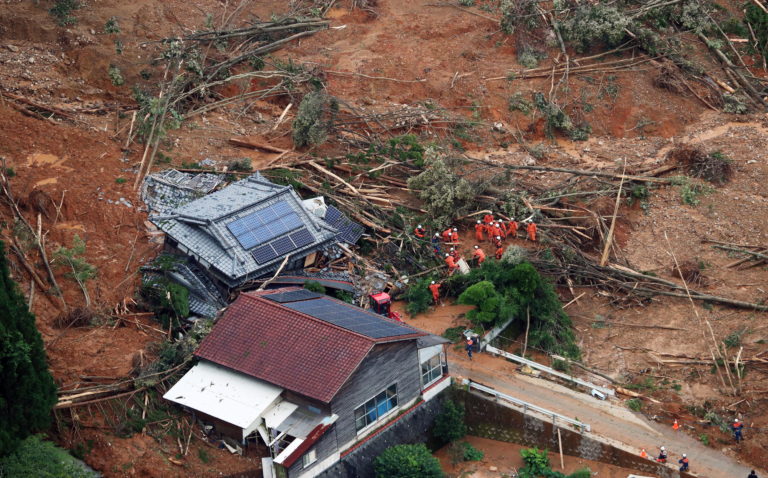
column 386, row 364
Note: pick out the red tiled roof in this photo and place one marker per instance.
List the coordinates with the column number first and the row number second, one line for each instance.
column 266, row 340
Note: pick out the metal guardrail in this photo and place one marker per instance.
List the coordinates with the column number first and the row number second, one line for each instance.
column 544, row 368
column 529, row 406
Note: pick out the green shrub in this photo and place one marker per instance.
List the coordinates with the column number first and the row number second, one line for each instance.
column 518, row 103
column 242, row 165
column 536, row 463
column 758, row 20
column 314, row 286
column 635, row 404
column 112, row 26
column 407, row 461
column 314, row 119
column 735, row 104
column 591, row 24
column 168, row 300
column 418, row 298
column 581, row 473
column 490, row 306
column 115, row 75
column 202, row 453
column 120, row 180
column 467, row 3
column 704, row 439
column 471, row 453
column 561, row 366
column 449, row 424
column 733, row 339
column 454, row 334
column 62, row 11
column 39, row 458
column 444, row 193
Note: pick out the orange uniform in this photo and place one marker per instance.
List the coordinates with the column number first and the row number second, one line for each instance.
column 499, row 253
column 495, row 230
column 446, row 235
column 479, row 254
column 479, row 228
column 450, row 262
column 420, row 232
column 435, row 289
column 454, row 235
column 531, row 229
column 497, row 241
column 487, row 219
column 512, row 228
column 502, row 230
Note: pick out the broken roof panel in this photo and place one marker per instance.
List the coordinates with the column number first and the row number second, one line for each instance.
column 165, row 190
column 349, row 231
column 271, row 341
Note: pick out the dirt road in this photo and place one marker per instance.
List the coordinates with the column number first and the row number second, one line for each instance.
column 607, row 418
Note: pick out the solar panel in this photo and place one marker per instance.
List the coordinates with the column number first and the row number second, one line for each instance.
column 302, row 238
column 293, row 296
column 265, row 224
column 263, row 254
column 283, row 246
column 349, row 231
column 350, row 317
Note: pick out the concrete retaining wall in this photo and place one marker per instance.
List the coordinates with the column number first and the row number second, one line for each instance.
column 487, row 418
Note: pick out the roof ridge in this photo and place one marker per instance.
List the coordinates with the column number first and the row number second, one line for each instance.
column 262, row 299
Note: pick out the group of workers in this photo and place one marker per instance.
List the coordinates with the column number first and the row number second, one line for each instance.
column 737, row 428
column 493, row 230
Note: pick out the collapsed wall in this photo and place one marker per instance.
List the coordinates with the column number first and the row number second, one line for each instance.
column 488, row 418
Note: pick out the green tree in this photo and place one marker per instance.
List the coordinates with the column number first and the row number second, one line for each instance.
column 491, row 307
column 27, row 391
column 42, row 459
column 407, row 461
column 449, row 424
column 418, row 297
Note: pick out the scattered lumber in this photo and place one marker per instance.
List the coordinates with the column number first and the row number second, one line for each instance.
column 252, row 144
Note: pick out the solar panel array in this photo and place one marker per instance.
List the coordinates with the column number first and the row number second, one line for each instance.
column 264, row 225
column 293, row 296
column 349, row 231
column 350, row 318
column 282, row 246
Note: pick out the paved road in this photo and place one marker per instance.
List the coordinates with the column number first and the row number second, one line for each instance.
column 609, row 419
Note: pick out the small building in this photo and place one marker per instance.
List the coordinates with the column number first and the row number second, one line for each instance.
column 309, row 375
column 244, row 231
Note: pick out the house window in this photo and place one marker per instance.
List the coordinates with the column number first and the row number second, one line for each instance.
column 431, row 370
column 375, row 408
column 308, row 458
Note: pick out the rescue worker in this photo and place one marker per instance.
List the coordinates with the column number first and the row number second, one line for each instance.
column 737, row 429
column 495, row 230
column 455, row 235
column 488, row 219
column 435, row 289
column 683, row 463
column 643, row 454
column 531, row 230
column 453, row 253
column 436, row 243
column 499, row 253
column 470, row 343
column 675, row 426
column 497, row 241
column 752, row 475
column 451, row 263
column 502, row 229
column 446, row 235
column 420, row 232
column 479, row 254
column 479, row 229
column 662, row 455
column 512, row 228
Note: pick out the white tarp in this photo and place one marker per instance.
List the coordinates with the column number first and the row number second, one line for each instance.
column 277, row 414
column 224, row 394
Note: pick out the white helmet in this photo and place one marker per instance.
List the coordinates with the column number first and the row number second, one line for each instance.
column 736, row 420
column 477, row 247
column 498, row 237
column 455, row 229
column 453, row 249
column 478, row 221
column 437, row 234
column 511, row 218
column 433, row 282
column 662, row 448
column 419, row 226
column 684, row 455
column 446, row 254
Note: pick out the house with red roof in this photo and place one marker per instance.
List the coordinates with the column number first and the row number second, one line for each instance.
column 310, row 376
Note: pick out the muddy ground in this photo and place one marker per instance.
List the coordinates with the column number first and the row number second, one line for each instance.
column 406, row 53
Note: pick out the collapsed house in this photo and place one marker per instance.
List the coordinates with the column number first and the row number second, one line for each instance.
column 309, row 375
column 240, row 233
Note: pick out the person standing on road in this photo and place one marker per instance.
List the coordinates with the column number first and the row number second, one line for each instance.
column 470, row 343
column 752, row 475
column 683, row 463
column 737, row 429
